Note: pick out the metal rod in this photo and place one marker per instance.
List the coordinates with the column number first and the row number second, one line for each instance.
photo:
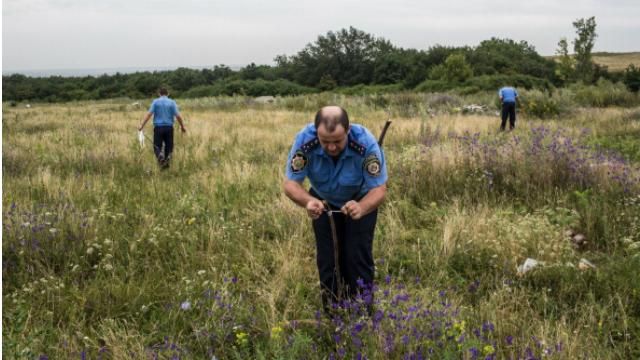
column 336, row 251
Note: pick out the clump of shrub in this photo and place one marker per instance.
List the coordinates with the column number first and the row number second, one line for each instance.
column 603, row 94
column 257, row 87
column 369, row 89
column 540, row 104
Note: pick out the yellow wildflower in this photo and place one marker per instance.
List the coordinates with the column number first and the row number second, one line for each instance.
column 276, row 332
column 242, row 338
column 488, row 350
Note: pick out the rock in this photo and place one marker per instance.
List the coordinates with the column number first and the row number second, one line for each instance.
column 473, row 108
column 265, row 99
column 579, row 240
column 528, row 265
column 585, row 264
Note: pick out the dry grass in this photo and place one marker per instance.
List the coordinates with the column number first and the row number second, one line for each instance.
column 220, row 209
column 617, row 61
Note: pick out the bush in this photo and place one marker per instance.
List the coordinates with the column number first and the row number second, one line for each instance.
column 495, row 82
column 485, row 83
column 257, row 87
column 604, row 94
column 632, row 78
column 435, row 86
column 540, row 104
column 369, row 89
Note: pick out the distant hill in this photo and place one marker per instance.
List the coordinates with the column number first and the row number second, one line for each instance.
column 617, row 61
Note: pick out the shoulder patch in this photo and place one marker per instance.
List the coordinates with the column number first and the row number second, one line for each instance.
column 372, row 165
column 309, row 145
column 299, row 161
column 357, row 147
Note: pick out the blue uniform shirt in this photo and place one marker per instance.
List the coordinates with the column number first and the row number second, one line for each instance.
column 164, row 110
column 508, row 94
column 360, row 166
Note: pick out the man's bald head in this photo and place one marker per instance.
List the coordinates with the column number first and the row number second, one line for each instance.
column 331, row 117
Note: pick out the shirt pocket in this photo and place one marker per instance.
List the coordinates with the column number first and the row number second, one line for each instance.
column 350, row 184
column 318, row 173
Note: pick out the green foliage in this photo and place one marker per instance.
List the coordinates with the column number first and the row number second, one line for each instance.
column 347, row 56
column 604, row 93
column 434, row 86
column 254, row 88
column 369, row 89
column 494, row 82
column 632, row 78
column 347, row 61
column 540, row 104
column 505, row 56
column 582, row 47
column 565, row 69
column 454, row 69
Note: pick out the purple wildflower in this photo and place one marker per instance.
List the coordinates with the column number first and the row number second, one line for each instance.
column 509, row 340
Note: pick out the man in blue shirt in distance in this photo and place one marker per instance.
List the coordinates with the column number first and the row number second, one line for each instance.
column 346, row 168
column 508, row 98
column 163, row 111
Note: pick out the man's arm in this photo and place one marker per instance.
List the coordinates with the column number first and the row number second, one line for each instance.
column 144, row 120
column 179, row 118
column 300, row 196
column 370, row 202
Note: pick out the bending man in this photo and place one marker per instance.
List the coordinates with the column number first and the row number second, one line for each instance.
column 346, row 169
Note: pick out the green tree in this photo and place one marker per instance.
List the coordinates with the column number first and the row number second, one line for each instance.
column 632, row 77
column 508, row 57
column 582, row 47
column 566, row 64
column 454, row 69
column 348, row 56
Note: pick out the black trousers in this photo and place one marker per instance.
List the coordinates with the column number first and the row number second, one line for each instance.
column 355, row 245
column 163, row 135
column 508, row 110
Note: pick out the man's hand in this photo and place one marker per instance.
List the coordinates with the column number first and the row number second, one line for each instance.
column 353, row 209
column 314, row 208
column 183, row 129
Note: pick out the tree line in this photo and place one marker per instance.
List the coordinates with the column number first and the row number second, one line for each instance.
column 348, row 58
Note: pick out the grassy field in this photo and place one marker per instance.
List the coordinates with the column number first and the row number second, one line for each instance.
column 106, row 257
column 617, row 61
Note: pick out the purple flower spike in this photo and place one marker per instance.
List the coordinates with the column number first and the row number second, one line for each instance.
column 509, row 340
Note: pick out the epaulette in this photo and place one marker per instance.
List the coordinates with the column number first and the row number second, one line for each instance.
column 357, row 147
column 310, row 145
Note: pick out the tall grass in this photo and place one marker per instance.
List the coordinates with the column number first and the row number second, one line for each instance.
column 105, row 256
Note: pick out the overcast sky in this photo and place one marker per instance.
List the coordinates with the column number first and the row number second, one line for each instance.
column 78, row 34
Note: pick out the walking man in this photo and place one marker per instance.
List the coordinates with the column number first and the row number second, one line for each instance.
column 346, row 169
column 508, row 98
column 163, row 111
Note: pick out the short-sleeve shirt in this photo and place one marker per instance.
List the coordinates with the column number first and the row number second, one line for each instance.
column 164, row 110
column 508, row 94
column 359, row 168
